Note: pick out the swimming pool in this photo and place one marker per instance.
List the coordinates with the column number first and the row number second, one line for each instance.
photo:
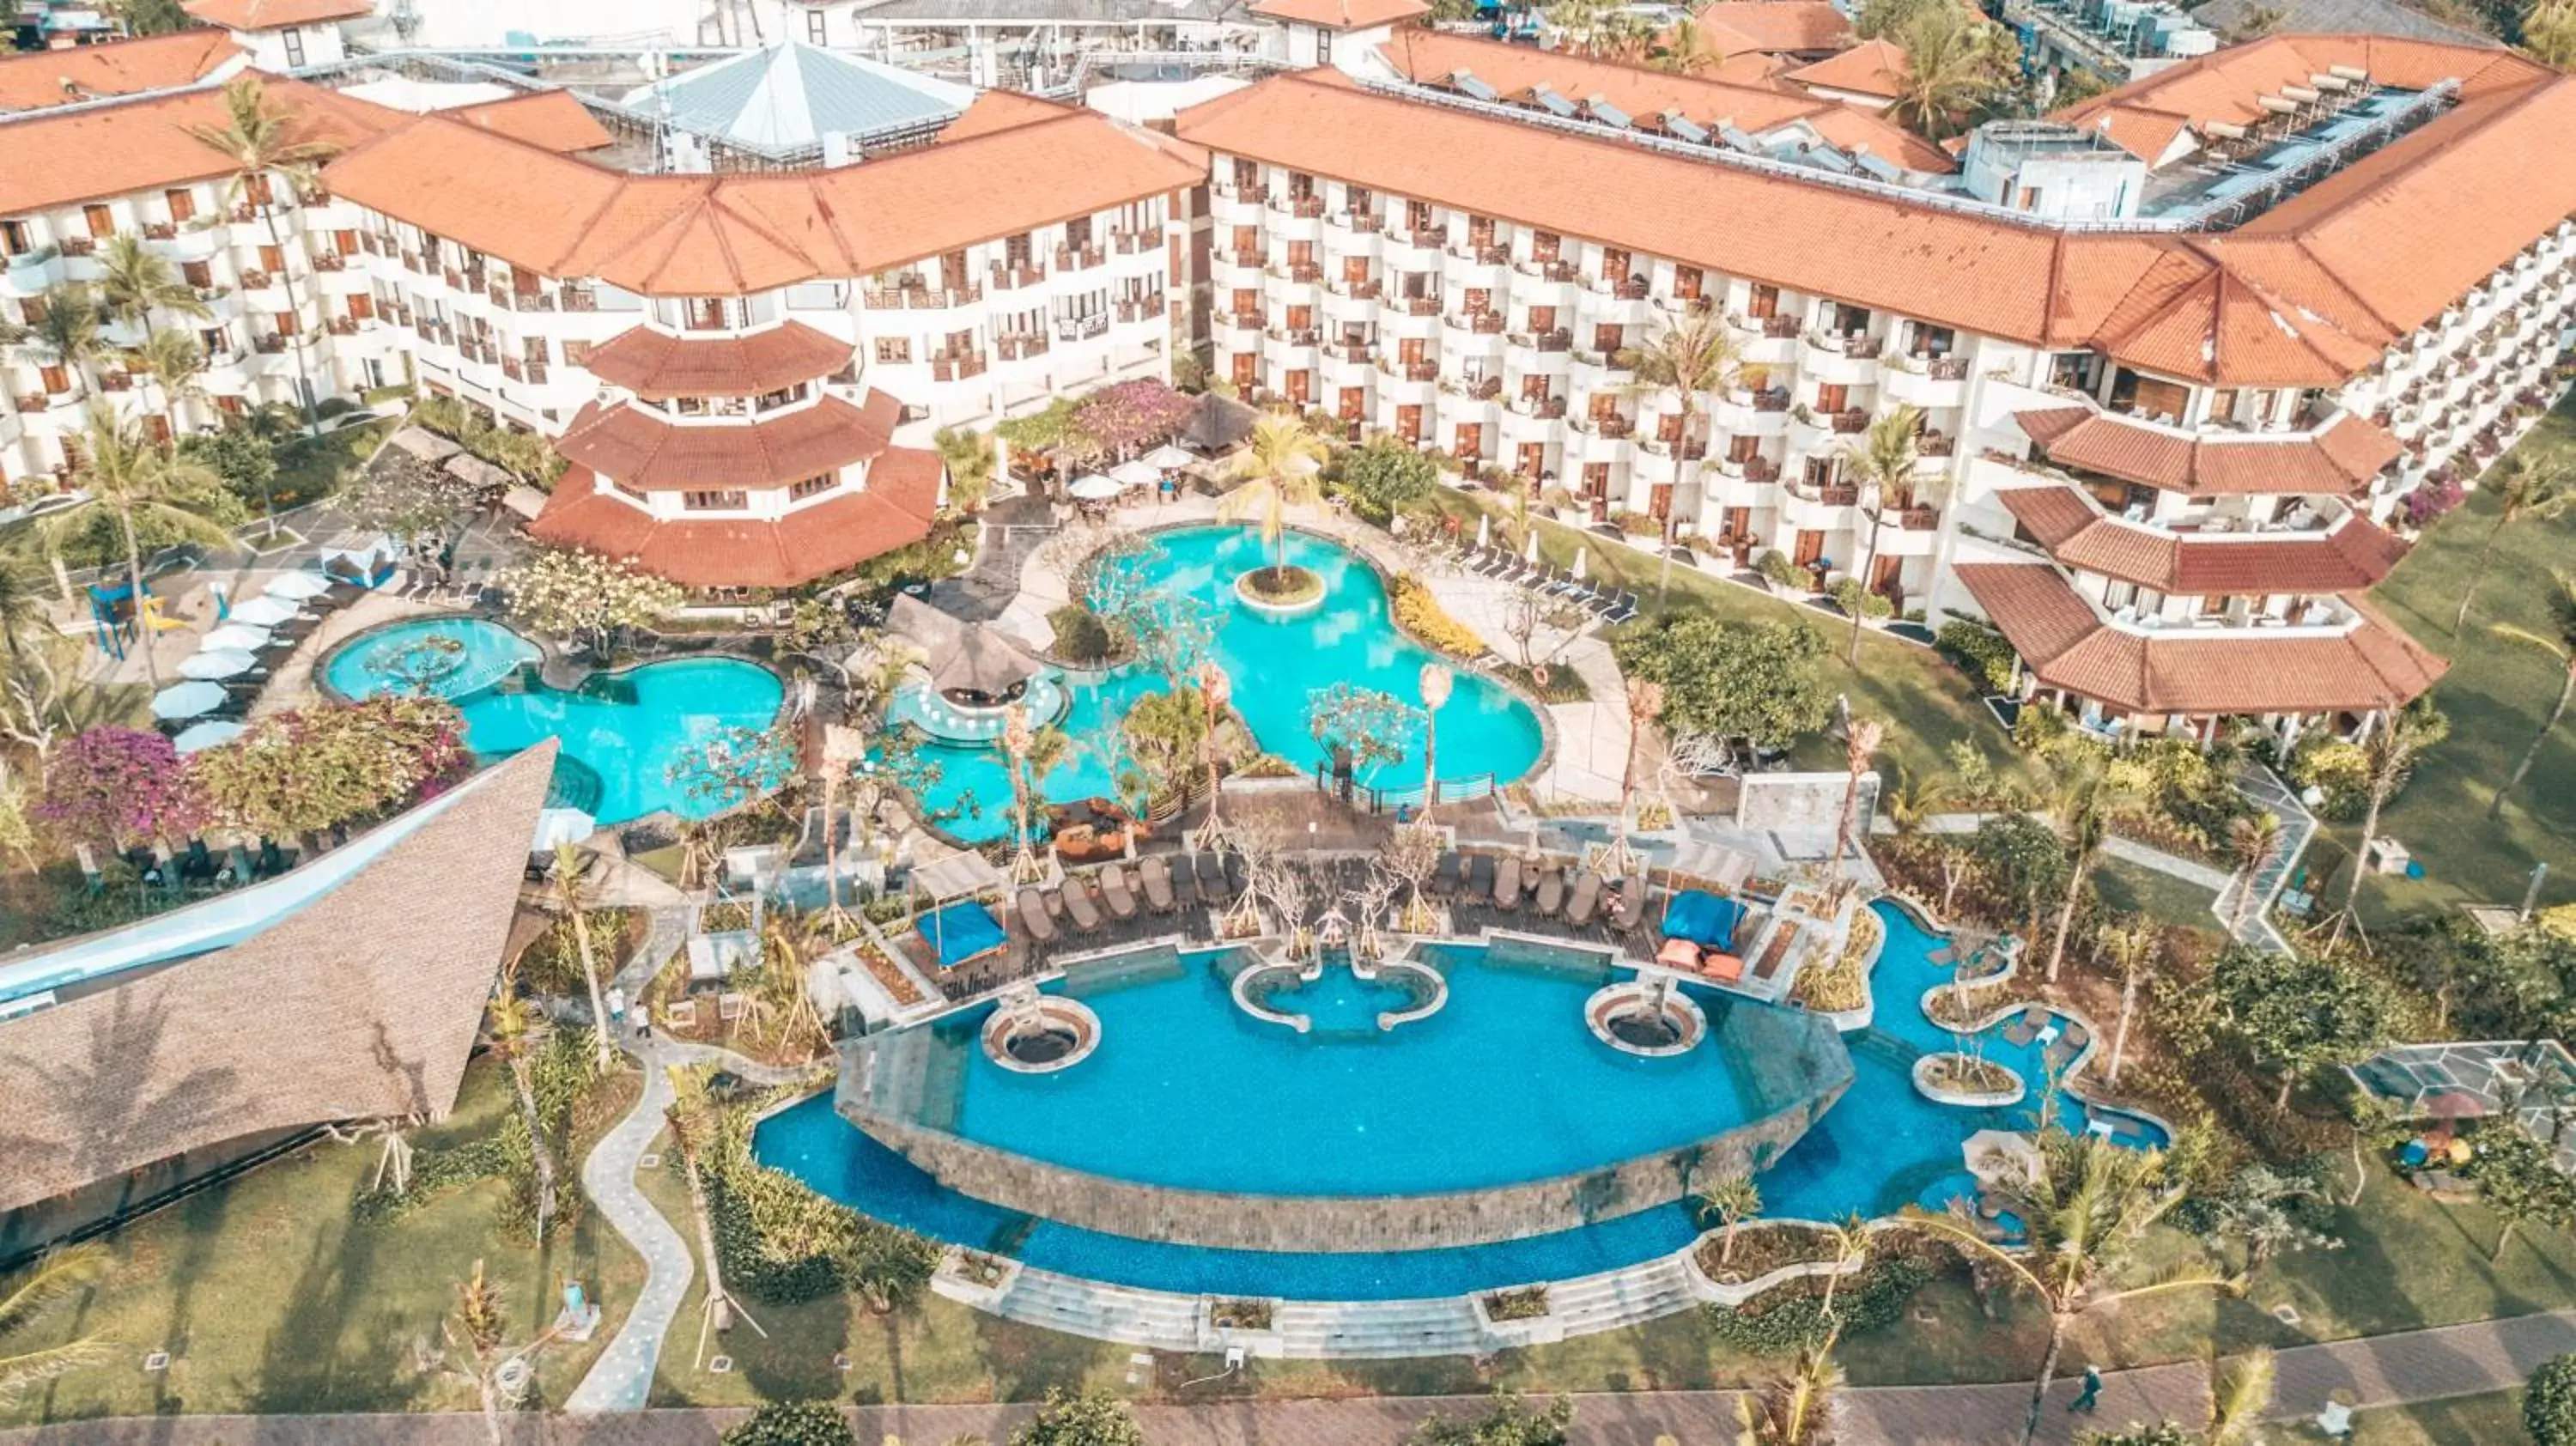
column 620, row 731
column 1276, row 665
column 1188, row 1092
column 1881, row 1147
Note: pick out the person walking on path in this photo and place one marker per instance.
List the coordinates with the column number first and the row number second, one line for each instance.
column 2089, row 1399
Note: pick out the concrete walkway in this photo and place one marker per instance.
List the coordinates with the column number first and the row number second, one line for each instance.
column 2376, row 1371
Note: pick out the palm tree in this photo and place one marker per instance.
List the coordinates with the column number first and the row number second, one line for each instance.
column 1645, row 705
column 695, row 1120
column 1435, row 684
column 71, row 333
column 1794, row 1407
column 1686, row 360
column 1911, row 800
column 794, row 942
column 2242, row 1394
column 516, row 1030
column 2088, row 795
column 264, row 143
column 2133, row 944
column 2086, row 1207
column 1277, row 472
column 1687, row 49
column 138, row 281
column 573, row 897
column 1882, row 466
column 480, row 1326
column 1864, row 735
column 174, row 361
column 25, row 616
column 1034, row 753
column 134, row 478
column 58, row 1276
column 2526, row 491
column 2388, row 756
column 2562, row 646
column 2256, row 837
column 1733, row 1198
column 1955, row 63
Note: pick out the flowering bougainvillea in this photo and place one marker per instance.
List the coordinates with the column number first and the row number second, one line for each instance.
column 2438, row 495
column 117, row 786
column 1131, row 416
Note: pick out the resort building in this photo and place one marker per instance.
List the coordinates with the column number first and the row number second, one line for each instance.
column 2176, row 354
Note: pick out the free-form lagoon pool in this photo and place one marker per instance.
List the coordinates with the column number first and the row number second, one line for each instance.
column 620, row 731
column 1277, row 665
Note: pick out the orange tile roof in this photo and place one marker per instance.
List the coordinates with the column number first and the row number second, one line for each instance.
column 124, row 67
column 1343, row 14
column 274, row 14
column 642, row 451
column 2141, row 130
column 1775, row 26
column 1434, row 56
column 2339, row 461
column 816, row 540
column 2350, row 557
column 552, row 120
column 654, row 365
column 696, row 235
column 1000, row 110
column 1873, row 67
column 142, row 145
column 2374, row 665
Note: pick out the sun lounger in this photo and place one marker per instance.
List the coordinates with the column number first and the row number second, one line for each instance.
column 1446, row 878
column 1209, row 870
column 1184, row 883
column 1236, row 879
column 1625, row 609
column 1551, row 891
column 1587, row 898
column 1113, row 888
column 1632, row 905
column 1078, row 906
column 2026, row 1028
column 1480, row 876
column 1033, row 916
column 1156, row 876
column 1507, row 884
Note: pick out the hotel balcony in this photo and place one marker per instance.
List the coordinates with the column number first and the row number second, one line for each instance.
column 1812, row 508
column 1768, row 341
column 1934, row 383
column 1486, row 268
column 916, row 296
column 1412, row 250
column 958, row 366
column 1845, row 359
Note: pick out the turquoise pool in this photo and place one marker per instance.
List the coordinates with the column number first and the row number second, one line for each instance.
column 619, row 731
column 1277, row 665
column 1881, row 1147
column 1438, row 1104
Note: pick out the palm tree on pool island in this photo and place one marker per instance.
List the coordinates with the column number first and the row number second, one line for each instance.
column 1277, row 472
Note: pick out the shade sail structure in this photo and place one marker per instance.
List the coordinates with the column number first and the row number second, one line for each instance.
column 295, row 586
column 187, row 700
column 981, row 662
column 217, row 663
column 198, row 737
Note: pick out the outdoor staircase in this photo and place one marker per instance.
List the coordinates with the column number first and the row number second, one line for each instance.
column 1155, row 1319
column 1379, row 1329
column 1629, row 1296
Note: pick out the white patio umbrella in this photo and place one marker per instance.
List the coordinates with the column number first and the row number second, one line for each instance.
column 187, row 700
column 264, row 612
column 1531, row 550
column 561, row 825
column 1095, row 488
column 1484, row 529
column 297, row 585
column 1169, row 457
column 1579, row 554
column 217, row 663
column 1136, row 474
column 235, row 635
column 201, row 736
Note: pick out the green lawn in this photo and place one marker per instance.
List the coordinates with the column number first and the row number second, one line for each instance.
column 269, row 1299
column 2162, row 897
column 2496, row 694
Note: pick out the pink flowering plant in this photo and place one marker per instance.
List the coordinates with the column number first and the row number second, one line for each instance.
column 1131, row 416
column 119, row 786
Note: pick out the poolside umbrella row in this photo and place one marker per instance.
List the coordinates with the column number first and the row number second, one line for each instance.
column 1095, row 488
column 189, row 699
column 235, row 635
column 265, row 612
column 296, row 586
column 217, row 664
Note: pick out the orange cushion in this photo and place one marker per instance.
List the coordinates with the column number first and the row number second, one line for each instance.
column 1728, row 967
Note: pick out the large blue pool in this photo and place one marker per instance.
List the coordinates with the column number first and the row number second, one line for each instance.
column 620, row 732
column 1453, row 1123
column 1277, row 665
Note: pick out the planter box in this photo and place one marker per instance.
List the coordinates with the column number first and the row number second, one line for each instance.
column 1969, row 1099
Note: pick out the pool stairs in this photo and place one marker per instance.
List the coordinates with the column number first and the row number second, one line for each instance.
column 1884, row 1047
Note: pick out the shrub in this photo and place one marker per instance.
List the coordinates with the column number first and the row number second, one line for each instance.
column 1420, row 614
column 1776, row 569
column 793, row 1423
column 1080, row 635
column 1093, row 1418
column 2324, row 761
column 2549, row 1403
column 1853, row 597
column 1791, row 1317
column 1638, row 524
column 1527, row 1303
column 1385, row 475
column 1981, row 652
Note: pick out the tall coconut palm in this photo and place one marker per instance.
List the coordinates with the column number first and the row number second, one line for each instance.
column 1034, row 753
column 1689, row 48
column 1277, row 472
column 793, row 943
column 2088, row 795
column 138, row 282
column 2560, row 644
column 2388, row 758
column 25, row 614
column 2133, row 944
column 2255, row 837
column 480, row 1328
column 1882, row 465
column 517, row 1030
column 2086, row 1207
column 265, row 144
column 56, row 1278
column 1860, row 744
column 1645, row 705
column 175, row 362
column 2525, row 491
column 1732, row 1198
column 1436, row 681
column 1956, row 63
column 1796, row 1406
column 572, row 895
column 71, row 333
column 135, row 478
column 1687, row 361
column 695, row 1120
